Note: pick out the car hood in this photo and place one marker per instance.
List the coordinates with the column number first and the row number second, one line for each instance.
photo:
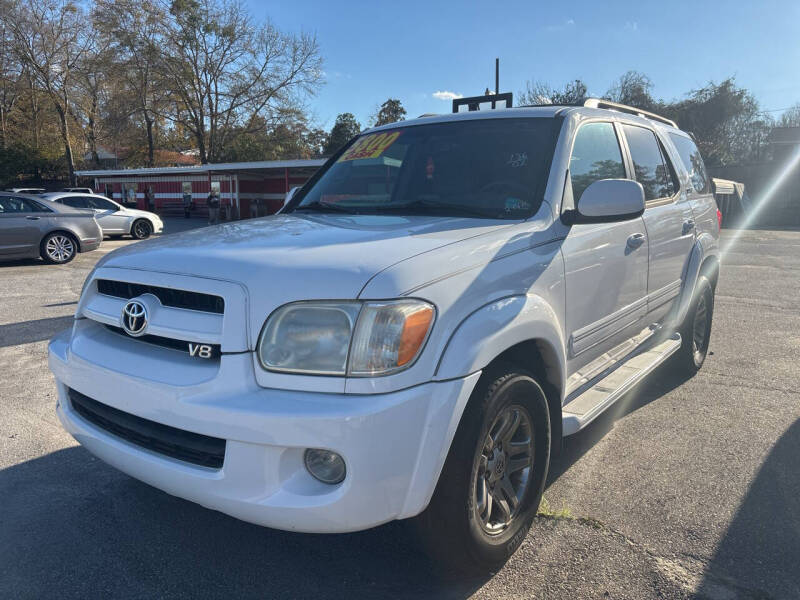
column 299, row 256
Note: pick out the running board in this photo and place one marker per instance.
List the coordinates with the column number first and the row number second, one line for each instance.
column 584, row 409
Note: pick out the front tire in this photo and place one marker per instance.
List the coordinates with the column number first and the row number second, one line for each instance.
column 141, row 229
column 58, row 248
column 492, row 481
column 696, row 328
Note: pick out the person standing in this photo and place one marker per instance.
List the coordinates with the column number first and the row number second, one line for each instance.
column 150, row 199
column 187, row 204
column 213, row 208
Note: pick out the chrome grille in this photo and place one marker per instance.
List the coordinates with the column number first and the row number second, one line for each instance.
column 167, row 296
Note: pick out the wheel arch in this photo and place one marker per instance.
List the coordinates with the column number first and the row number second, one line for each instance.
column 703, row 260
column 523, row 331
column 65, row 230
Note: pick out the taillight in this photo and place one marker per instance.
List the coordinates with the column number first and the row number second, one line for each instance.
column 719, row 218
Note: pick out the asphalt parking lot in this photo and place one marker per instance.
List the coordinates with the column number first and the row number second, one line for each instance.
column 690, row 488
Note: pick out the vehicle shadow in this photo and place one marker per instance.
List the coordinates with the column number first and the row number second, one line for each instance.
column 758, row 555
column 26, row 332
column 660, row 382
column 24, row 262
column 72, row 526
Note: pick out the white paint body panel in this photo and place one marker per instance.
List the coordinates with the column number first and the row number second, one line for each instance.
column 577, row 291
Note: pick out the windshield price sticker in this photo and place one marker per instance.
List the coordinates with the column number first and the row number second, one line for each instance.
column 370, row 146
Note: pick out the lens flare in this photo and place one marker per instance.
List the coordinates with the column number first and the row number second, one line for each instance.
column 762, row 203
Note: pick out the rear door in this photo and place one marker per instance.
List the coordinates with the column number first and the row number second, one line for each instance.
column 667, row 218
column 21, row 224
column 606, row 263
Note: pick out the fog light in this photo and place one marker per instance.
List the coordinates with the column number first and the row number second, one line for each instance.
column 325, row 465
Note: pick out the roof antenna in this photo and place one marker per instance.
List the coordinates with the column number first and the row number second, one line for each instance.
column 473, row 103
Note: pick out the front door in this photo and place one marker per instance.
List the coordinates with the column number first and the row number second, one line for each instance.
column 109, row 216
column 20, row 225
column 667, row 217
column 605, row 264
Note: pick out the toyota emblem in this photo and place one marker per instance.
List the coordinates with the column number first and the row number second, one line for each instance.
column 134, row 318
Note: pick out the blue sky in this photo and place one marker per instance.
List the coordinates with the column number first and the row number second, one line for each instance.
column 412, row 50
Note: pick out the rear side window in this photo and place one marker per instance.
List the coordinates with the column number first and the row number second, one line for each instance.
column 649, row 163
column 74, row 202
column 11, row 204
column 595, row 155
column 690, row 156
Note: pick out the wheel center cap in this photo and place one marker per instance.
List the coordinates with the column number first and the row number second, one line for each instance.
column 499, row 465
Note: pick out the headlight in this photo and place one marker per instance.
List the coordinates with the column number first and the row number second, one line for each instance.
column 360, row 339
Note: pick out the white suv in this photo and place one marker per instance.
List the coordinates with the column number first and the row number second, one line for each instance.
column 413, row 336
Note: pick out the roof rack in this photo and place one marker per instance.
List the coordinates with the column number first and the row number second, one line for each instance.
column 474, row 102
column 599, row 103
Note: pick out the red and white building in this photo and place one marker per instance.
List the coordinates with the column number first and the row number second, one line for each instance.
column 246, row 189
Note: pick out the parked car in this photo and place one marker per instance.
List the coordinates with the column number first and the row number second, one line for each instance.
column 82, row 190
column 26, row 190
column 414, row 334
column 115, row 219
column 31, row 227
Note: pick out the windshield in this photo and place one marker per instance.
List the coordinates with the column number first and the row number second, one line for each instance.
column 493, row 168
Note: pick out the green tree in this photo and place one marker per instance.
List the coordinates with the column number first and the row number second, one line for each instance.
column 725, row 119
column 345, row 128
column 390, row 111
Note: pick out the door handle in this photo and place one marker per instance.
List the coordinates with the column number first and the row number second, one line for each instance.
column 636, row 240
column 33, row 218
column 688, row 225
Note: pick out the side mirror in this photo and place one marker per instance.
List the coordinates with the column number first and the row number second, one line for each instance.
column 609, row 200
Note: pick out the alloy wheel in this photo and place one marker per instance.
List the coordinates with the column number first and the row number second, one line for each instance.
column 141, row 229
column 60, row 248
column 504, row 468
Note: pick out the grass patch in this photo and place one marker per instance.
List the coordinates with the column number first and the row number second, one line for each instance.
column 546, row 511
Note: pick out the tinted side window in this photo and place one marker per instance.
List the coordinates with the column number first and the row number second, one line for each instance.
column 10, row 204
column 690, row 156
column 100, row 203
column 648, row 163
column 595, row 155
column 74, row 202
column 37, row 207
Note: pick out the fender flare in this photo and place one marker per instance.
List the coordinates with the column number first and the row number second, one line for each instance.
column 705, row 247
column 497, row 326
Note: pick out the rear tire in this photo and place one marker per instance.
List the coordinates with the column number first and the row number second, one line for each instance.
column 487, row 497
column 141, row 229
column 58, row 248
column 696, row 327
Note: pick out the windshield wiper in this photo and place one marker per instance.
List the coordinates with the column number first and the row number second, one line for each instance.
column 424, row 205
column 320, row 206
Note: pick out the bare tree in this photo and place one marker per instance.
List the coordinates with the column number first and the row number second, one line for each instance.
column 223, row 70
column 790, row 117
column 10, row 73
column 135, row 30
column 49, row 38
column 634, row 89
column 91, row 87
column 536, row 92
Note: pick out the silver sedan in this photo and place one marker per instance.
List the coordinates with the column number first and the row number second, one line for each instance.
column 30, row 227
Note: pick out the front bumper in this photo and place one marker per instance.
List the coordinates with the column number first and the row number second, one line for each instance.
column 394, row 445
